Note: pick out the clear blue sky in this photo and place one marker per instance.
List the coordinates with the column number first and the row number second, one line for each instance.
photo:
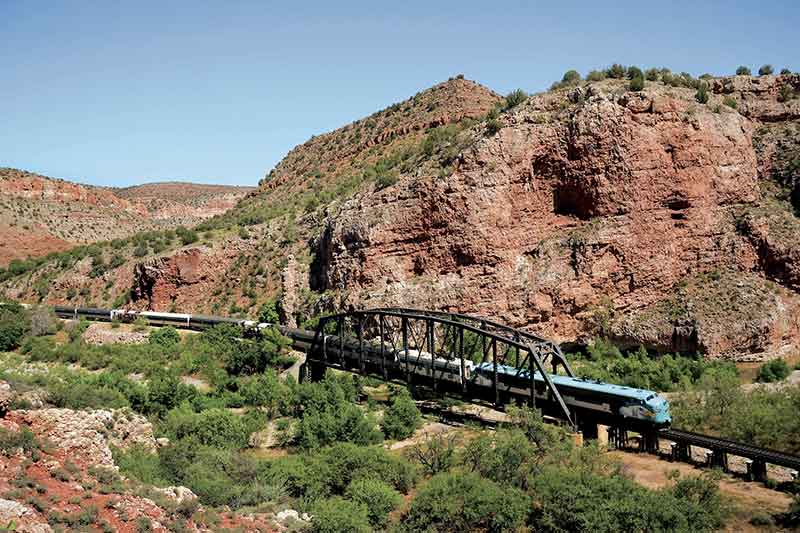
column 116, row 93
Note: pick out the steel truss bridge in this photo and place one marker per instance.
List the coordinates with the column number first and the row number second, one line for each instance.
column 367, row 341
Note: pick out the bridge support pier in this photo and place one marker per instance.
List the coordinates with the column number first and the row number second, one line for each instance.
column 756, row 470
column 617, row 437
column 315, row 371
column 717, row 459
column 649, row 442
column 680, row 452
column 589, row 430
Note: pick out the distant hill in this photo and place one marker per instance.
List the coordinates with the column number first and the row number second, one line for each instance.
column 40, row 214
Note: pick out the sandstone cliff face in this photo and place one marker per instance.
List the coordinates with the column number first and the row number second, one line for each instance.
column 572, row 219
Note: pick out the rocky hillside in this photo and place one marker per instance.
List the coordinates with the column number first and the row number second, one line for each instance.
column 660, row 217
column 39, row 214
column 185, row 203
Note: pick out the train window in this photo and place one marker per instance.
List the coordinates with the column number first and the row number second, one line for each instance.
column 651, row 397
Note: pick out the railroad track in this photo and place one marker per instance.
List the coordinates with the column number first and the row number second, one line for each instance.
column 726, row 446
column 719, row 447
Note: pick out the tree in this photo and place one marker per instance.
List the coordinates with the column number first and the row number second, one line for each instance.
column 743, row 71
column 457, row 502
column 785, row 71
column 652, row 74
column 765, row 70
column 379, row 498
column 402, row 417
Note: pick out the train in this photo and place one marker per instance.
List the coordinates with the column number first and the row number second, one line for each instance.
column 596, row 401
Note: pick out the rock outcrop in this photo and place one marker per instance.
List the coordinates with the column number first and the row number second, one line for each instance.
column 612, row 201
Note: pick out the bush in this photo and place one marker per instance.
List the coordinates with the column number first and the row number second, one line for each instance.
column 515, row 98
column 460, row 502
column 385, row 180
column 268, row 312
column 14, row 325
column 11, row 441
column 616, row 71
column 186, row 236
column 652, row 74
column 377, row 497
column 569, row 500
column 140, row 251
column 337, row 515
column 743, row 71
column 166, row 337
column 785, row 71
column 596, row 75
column 634, row 72
column 266, row 390
column 765, row 70
column 702, row 93
column 402, row 417
column 571, row 76
column 731, row 102
column 493, row 126
column 636, row 84
column 218, row 428
column 775, row 370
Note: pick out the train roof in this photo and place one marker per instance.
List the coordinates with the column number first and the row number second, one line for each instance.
column 582, row 383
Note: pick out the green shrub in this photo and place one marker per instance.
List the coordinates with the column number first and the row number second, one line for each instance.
column 14, row 325
column 772, row 371
column 616, row 71
column 140, row 251
column 218, row 428
column 165, row 337
column 765, row 70
column 266, row 390
column 344, row 422
column 186, row 236
column 636, row 84
column 702, row 93
column 596, row 75
column 141, row 464
column 652, row 74
column 743, row 71
column 10, row 441
column 515, row 98
column 634, row 72
column 457, row 502
column 385, row 180
column 402, row 417
column 377, row 497
column 731, row 102
column 785, row 71
column 268, row 312
column 493, row 126
column 337, row 515
column 571, row 76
